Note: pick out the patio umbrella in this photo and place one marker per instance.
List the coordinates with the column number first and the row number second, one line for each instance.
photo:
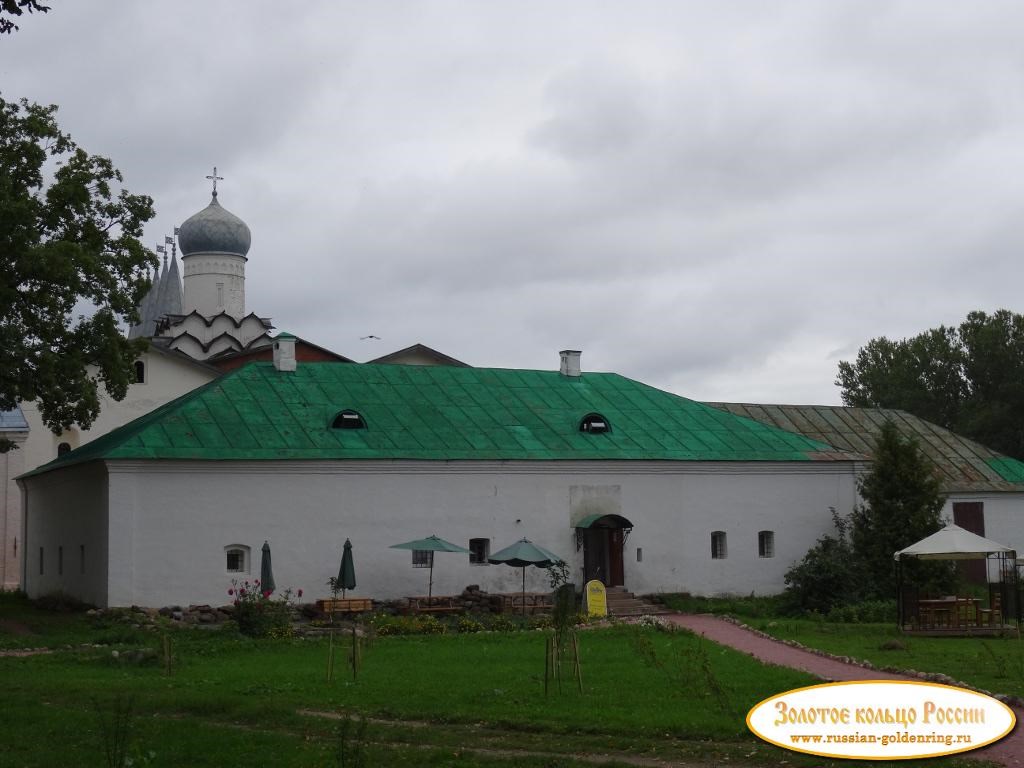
column 347, row 571
column 523, row 553
column 431, row 544
column 266, row 571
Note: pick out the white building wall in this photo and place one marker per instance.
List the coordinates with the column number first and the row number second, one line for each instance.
column 12, row 464
column 1004, row 516
column 166, row 379
column 170, row 523
column 66, row 510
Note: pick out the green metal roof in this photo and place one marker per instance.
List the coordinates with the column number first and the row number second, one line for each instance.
column 962, row 465
column 439, row 413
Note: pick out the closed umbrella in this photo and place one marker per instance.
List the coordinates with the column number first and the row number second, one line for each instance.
column 266, row 571
column 523, row 553
column 431, row 544
column 347, row 571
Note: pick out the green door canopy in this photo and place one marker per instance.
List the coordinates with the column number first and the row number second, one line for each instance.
column 603, row 521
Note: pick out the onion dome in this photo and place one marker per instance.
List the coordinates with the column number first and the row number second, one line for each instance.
column 214, row 230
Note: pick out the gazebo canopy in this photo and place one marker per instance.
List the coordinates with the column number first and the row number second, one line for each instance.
column 953, row 543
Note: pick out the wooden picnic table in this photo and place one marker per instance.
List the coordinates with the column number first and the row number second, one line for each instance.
column 433, row 604
column 950, row 612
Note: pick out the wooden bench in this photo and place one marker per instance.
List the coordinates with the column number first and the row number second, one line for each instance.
column 433, row 604
column 345, row 605
column 531, row 602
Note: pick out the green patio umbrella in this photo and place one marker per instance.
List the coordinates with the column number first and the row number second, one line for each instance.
column 347, row 571
column 523, row 553
column 266, row 571
column 431, row 544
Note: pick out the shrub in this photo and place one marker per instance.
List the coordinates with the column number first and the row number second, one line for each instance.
column 867, row 612
column 501, row 623
column 464, row 624
column 61, row 602
column 257, row 613
column 755, row 606
column 828, row 575
column 407, row 625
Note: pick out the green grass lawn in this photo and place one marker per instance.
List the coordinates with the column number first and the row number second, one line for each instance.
column 995, row 664
column 466, row 700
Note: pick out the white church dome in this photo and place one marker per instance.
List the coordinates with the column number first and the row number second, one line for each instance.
column 214, row 230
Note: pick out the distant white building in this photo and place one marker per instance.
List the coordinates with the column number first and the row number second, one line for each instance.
column 198, row 328
column 984, row 489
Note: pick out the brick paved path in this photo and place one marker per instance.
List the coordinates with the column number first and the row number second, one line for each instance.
column 1008, row 751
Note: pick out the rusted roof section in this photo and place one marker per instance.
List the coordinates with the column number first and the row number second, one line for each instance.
column 962, row 465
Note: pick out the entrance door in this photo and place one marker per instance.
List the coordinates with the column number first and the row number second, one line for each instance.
column 615, row 543
column 603, row 542
column 595, row 555
column 970, row 515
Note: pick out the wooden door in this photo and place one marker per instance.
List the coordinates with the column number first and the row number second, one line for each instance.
column 616, row 576
column 970, row 515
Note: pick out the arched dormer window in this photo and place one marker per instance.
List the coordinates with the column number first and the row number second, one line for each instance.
column 595, row 423
column 348, row 419
column 140, row 372
column 63, row 448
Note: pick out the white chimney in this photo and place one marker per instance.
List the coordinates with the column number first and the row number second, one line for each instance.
column 284, row 352
column 570, row 362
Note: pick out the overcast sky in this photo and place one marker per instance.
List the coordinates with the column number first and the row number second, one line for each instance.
column 722, row 199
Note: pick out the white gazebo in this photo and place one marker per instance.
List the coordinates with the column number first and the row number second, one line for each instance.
column 952, row 614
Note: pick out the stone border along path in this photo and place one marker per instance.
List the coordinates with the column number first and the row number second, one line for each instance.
column 1009, row 751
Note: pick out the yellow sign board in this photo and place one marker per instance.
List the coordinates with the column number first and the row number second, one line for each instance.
column 597, row 599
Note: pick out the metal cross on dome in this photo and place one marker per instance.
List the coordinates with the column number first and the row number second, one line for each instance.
column 215, row 178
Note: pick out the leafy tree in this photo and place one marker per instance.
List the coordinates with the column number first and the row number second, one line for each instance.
column 900, row 503
column 14, row 8
column 827, row 576
column 969, row 379
column 66, row 237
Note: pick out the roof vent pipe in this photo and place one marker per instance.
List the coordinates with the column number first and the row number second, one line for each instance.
column 284, row 352
column 570, row 362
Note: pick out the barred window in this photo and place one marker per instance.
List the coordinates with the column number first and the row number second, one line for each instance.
column 766, row 544
column 718, row 545
column 422, row 558
column 236, row 558
column 479, row 549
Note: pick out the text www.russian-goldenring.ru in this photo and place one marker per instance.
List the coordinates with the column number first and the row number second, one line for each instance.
column 884, row 740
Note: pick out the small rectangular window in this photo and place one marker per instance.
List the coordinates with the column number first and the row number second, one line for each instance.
column 60, row 560
column 766, row 544
column 81, row 558
column 639, row 555
column 718, row 545
column 41, row 562
column 235, row 561
column 479, row 550
column 422, row 558
column 220, row 295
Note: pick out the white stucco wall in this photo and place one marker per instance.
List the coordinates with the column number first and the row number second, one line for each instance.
column 1004, row 516
column 12, row 464
column 171, row 522
column 66, row 510
column 166, row 379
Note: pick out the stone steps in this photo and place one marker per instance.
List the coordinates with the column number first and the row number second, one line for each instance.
column 621, row 602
